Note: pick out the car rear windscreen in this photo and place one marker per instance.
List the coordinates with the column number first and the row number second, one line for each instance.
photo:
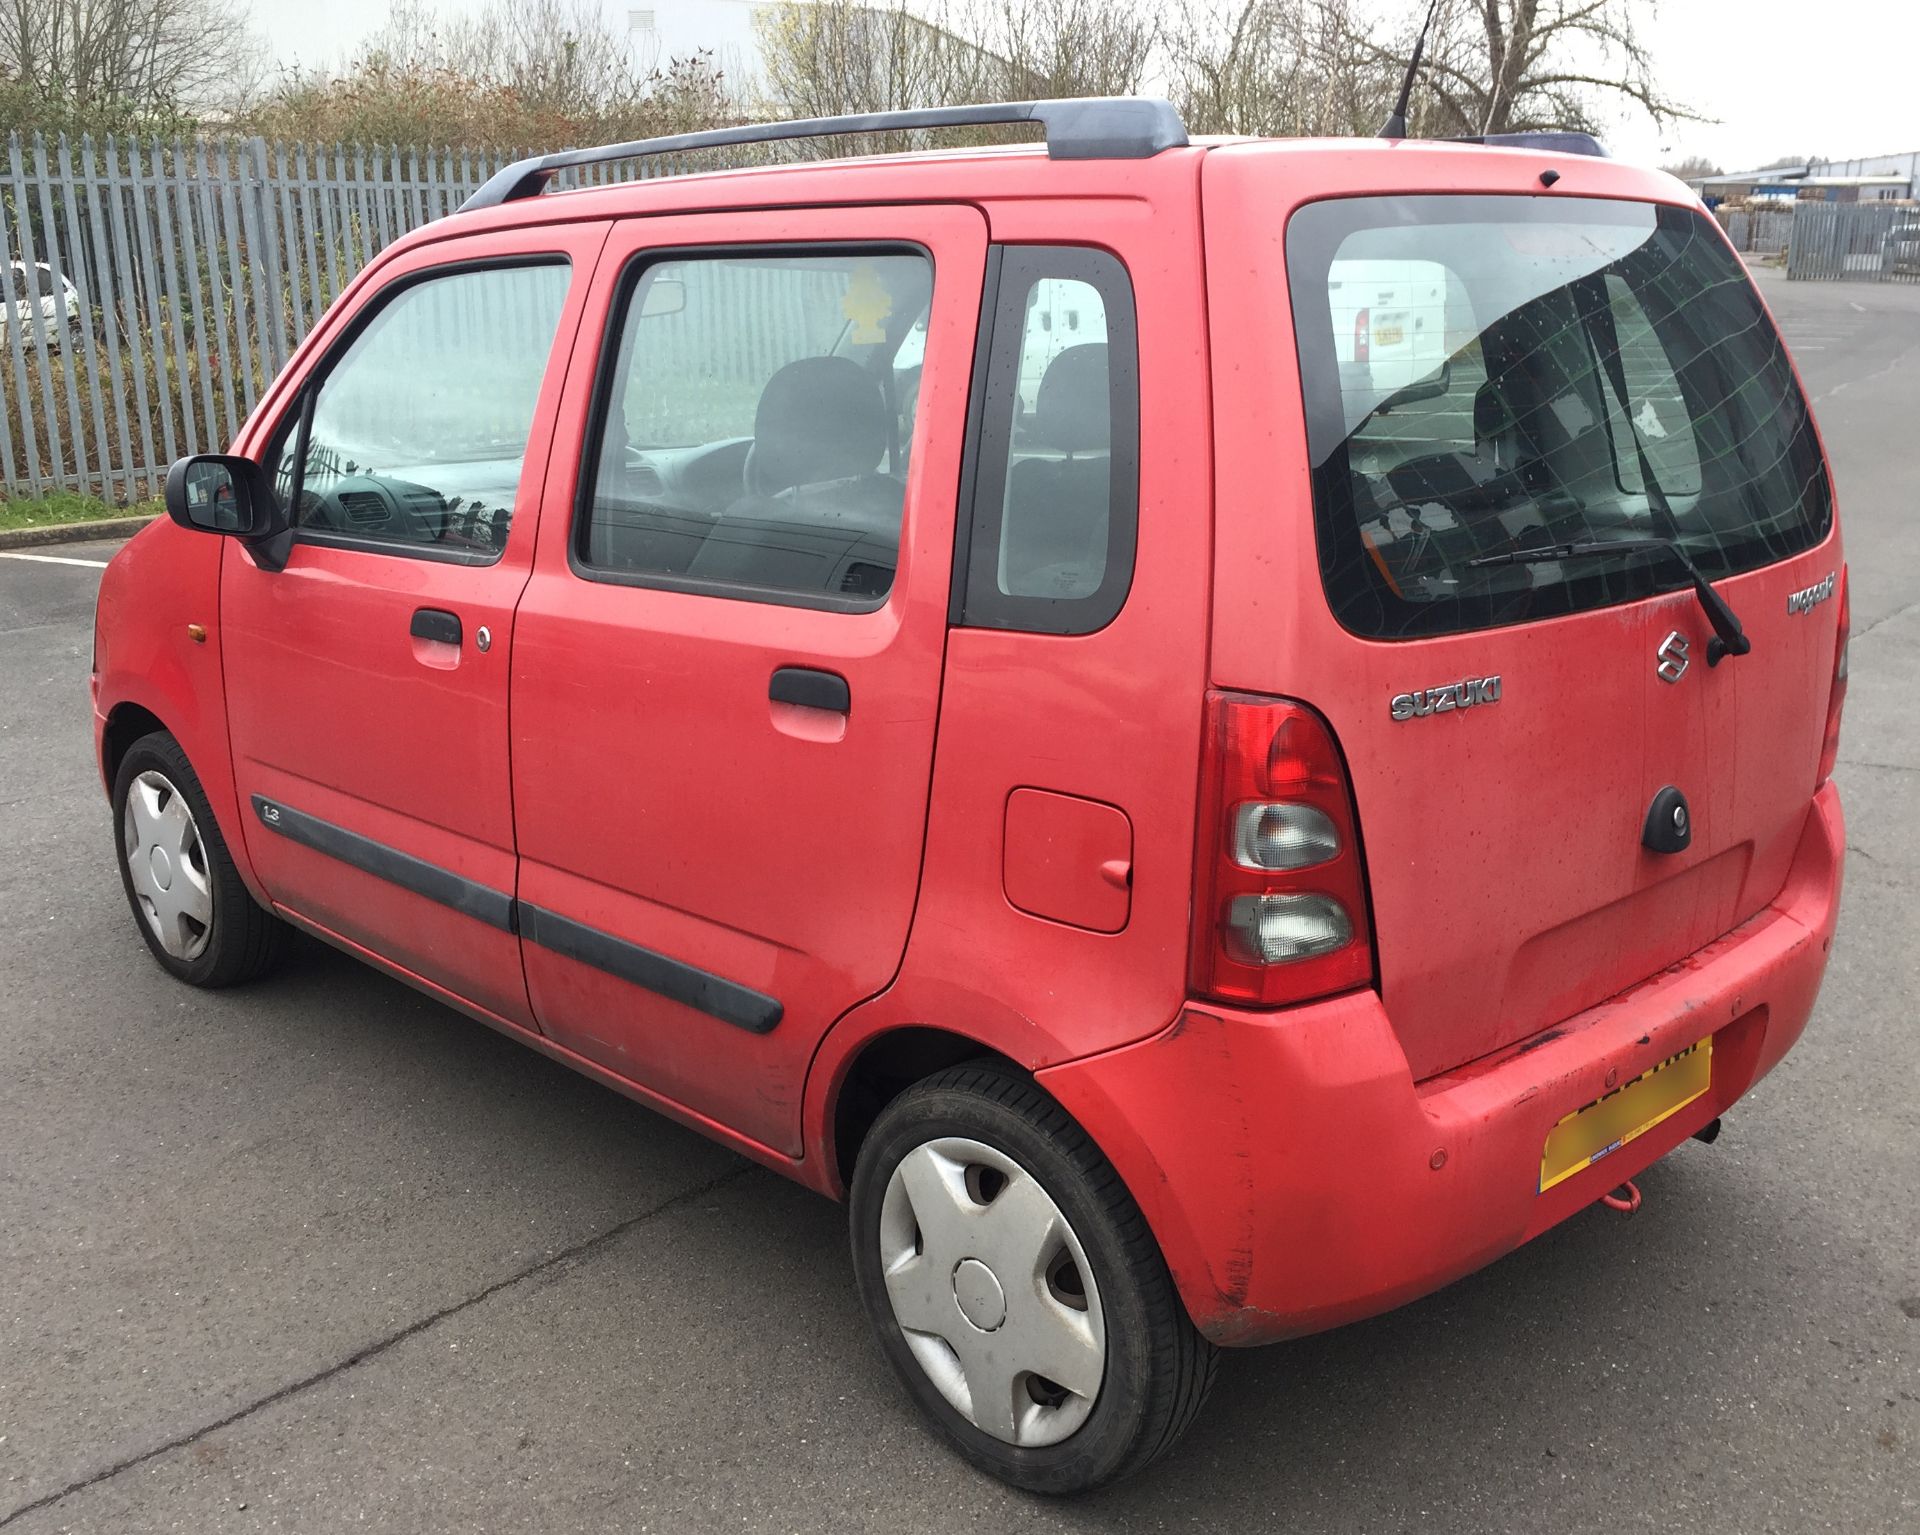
column 1486, row 374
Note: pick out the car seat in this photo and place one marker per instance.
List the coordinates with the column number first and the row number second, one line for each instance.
column 811, row 480
column 1053, row 542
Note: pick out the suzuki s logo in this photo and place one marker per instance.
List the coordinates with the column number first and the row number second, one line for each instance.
column 1447, row 699
column 1806, row 600
column 1673, row 655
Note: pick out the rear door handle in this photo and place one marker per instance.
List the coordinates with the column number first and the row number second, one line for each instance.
column 811, row 689
column 436, row 624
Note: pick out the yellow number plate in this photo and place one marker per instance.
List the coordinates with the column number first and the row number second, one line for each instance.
column 1389, row 335
column 1601, row 1128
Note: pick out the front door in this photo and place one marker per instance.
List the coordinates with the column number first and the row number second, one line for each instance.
column 367, row 681
column 728, row 659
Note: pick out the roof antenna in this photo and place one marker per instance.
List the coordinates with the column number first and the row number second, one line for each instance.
column 1396, row 124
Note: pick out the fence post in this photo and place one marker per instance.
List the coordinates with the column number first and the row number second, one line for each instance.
column 126, row 329
column 24, row 402
column 50, row 250
column 22, row 411
column 268, row 267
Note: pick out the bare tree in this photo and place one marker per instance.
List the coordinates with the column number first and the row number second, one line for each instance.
column 1692, row 166
column 142, row 52
column 1280, row 67
column 519, row 74
column 1491, row 66
column 834, row 57
column 1063, row 47
column 555, row 55
column 1505, row 66
column 840, row 56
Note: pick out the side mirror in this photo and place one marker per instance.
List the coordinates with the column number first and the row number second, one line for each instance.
column 1431, row 387
column 221, row 493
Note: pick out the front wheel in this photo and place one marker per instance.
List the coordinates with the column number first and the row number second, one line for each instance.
column 188, row 899
column 1015, row 1287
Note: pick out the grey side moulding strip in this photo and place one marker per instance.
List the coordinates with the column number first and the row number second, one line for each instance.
column 702, row 990
column 470, row 897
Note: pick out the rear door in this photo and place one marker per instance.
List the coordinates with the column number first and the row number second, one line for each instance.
column 1508, row 726
column 727, row 664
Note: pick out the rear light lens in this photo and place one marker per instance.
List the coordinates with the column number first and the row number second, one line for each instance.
column 1362, row 335
column 1284, row 836
column 1280, row 899
column 1837, row 695
column 1279, row 929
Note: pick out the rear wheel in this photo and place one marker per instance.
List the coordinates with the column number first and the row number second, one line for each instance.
column 188, row 899
column 1015, row 1287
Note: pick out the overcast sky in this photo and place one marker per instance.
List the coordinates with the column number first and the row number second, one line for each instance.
column 1837, row 78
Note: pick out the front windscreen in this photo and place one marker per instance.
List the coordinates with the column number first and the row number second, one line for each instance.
column 1492, row 374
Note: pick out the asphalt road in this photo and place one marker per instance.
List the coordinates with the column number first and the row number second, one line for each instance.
column 322, row 1254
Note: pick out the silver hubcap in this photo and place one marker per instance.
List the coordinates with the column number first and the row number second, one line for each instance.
column 168, row 865
column 992, row 1291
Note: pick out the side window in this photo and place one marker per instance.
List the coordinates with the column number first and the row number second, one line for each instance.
column 754, row 418
column 1660, row 423
column 414, row 438
column 1056, row 477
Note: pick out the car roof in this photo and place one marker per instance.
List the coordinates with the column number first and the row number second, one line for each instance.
column 1020, row 171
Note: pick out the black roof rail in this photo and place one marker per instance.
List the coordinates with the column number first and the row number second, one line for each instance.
column 1089, row 128
column 1566, row 141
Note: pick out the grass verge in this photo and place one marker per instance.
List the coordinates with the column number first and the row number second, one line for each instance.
column 67, row 506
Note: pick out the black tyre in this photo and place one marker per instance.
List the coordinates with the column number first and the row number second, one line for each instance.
column 188, row 899
column 1015, row 1287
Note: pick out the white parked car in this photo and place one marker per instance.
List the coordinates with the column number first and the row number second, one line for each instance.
column 45, row 301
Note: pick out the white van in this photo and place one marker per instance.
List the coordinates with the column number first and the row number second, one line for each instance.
column 1391, row 324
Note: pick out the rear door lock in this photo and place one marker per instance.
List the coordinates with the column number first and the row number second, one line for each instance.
column 1669, row 826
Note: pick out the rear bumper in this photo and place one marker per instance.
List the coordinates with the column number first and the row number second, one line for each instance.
column 1297, row 1177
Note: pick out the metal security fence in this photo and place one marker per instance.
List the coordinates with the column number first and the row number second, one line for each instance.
column 150, row 290
column 1855, row 242
column 1761, row 231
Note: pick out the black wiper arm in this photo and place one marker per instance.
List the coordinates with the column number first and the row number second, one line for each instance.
column 1729, row 638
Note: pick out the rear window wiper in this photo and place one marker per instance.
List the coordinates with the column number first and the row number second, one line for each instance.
column 1729, row 639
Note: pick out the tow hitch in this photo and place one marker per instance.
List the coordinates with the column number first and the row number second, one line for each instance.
column 1625, row 1199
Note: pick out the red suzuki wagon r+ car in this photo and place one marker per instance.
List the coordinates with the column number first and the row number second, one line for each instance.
column 1213, row 735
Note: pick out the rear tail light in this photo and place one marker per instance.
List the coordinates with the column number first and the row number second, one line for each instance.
column 1362, row 334
column 1837, row 695
column 1280, row 897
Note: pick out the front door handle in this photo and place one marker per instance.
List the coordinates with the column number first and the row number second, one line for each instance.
column 811, row 689
column 436, row 624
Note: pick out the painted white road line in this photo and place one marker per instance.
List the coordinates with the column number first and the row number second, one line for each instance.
column 51, row 559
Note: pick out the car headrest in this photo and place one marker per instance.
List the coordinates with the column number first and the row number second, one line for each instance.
column 1490, row 414
column 1073, row 410
column 821, row 418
